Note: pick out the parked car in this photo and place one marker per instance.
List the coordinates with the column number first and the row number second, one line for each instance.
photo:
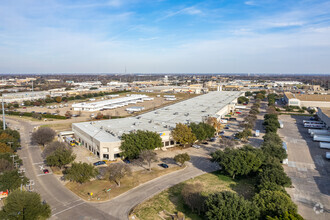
column 98, row 163
column 45, row 171
column 213, row 139
column 226, row 127
column 222, row 132
column 196, row 146
column 127, row 161
column 205, row 143
column 164, row 165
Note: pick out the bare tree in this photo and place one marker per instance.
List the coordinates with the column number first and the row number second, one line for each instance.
column 117, row 171
column 43, row 135
column 52, row 147
column 5, row 165
column 148, row 156
column 192, row 196
column 227, row 143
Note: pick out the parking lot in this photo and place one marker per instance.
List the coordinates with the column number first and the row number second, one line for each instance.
column 307, row 168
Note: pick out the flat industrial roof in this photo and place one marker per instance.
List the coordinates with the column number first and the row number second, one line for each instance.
column 163, row 119
column 308, row 97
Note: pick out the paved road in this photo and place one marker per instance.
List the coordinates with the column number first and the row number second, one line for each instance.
column 122, row 205
column 308, row 170
column 66, row 205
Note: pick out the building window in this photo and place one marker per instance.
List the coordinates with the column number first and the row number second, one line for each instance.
column 172, row 142
column 106, row 156
column 167, row 143
column 97, row 153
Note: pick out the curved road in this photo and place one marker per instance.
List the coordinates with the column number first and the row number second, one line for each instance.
column 67, row 205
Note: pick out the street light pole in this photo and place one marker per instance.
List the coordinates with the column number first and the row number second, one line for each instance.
column 3, row 115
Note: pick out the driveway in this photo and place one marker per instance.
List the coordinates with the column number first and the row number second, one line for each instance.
column 308, row 170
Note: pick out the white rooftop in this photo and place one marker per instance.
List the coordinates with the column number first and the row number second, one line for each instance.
column 160, row 120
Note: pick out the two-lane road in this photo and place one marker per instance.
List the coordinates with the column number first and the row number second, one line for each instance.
column 67, row 205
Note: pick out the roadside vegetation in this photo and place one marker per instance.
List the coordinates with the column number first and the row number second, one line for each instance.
column 19, row 204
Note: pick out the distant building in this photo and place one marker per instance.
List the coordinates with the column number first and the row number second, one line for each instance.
column 307, row 100
column 24, row 96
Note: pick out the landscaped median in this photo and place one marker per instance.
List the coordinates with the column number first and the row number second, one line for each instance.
column 171, row 200
column 99, row 188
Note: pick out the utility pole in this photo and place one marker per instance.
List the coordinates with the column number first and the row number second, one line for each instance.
column 3, row 115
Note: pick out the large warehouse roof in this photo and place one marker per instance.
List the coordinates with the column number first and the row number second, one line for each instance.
column 191, row 110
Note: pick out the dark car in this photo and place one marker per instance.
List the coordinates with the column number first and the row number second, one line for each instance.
column 226, row 127
column 127, row 161
column 98, row 163
column 45, row 171
column 213, row 139
column 205, row 143
column 222, row 132
column 164, row 165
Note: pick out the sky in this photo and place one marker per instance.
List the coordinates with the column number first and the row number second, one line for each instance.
column 164, row 36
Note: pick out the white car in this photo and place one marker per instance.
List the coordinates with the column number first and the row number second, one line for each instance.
column 196, row 146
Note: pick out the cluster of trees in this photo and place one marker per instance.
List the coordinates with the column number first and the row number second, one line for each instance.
column 9, row 140
column 135, row 142
column 249, row 121
column 271, row 201
column 35, row 115
column 202, row 131
column 58, row 154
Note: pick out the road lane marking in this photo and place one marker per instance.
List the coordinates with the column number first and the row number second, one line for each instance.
column 38, row 163
column 43, row 174
column 68, row 208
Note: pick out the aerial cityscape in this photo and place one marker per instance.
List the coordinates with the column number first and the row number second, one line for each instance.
column 165, row 110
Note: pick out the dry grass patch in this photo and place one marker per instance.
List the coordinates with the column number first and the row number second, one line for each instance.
column 172, row 201
column 59, row 126
column 99, row 187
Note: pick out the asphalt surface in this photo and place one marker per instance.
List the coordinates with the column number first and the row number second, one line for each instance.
column 67, row 205
column 308, row 170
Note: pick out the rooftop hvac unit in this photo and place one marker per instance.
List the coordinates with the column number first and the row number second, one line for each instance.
column 150, row 121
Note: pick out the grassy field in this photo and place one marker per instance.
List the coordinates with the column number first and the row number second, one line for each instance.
column 171, row 199
column 99, row 187
column 59, row 127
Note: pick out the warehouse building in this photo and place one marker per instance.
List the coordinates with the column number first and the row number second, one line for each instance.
column 24, row 96
column 103, row 138
column 110, row 104
column 307, row 100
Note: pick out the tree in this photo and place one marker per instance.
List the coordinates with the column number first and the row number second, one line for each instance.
column 25, row 205
column 248, row 93
column 68, row 114
column 290, row 215
column 242, row 99
column 117, row 171
column 81, row 172
column 148, row 156
column 4, row 148
column 228, row 205
column 99, row 116
column 272, row 137
column 58, row 99
column 52, row 147
column 214, row 123
column 182, row 158
column 238, row 162
column 274, row 150
column 60, row 158
column 183, row 134
column 225, row 142
column 43, row 135
column 202, row 131
column 135, row 142
column 274, row 175
column 5, row 165
column 192, row 196
column 274, row 203
column 11, row 180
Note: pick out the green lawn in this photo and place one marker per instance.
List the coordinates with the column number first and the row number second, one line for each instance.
column 171, row 200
